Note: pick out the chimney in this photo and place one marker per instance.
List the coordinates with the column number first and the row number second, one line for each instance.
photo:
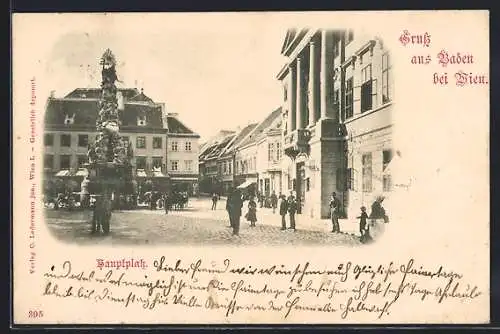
column 119, row 97
column 52, row 94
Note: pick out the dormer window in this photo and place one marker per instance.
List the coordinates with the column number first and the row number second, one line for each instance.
column 141, row 120
column 69, row 119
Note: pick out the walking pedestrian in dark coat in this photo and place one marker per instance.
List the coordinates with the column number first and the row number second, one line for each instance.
column 274, row 201
column 292, row 210
column 236, row 205
column 283, row 211
column 215, row 198
column 228, row 208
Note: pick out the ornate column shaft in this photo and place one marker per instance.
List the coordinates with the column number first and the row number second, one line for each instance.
column 292, row 88
column 312, row 83
column 300, row 97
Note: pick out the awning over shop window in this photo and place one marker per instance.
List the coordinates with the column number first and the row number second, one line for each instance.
column 245, row 184
column 82, row 172
column 63, row 172
column 157, row 172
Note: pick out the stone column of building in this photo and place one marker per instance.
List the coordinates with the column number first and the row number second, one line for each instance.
column 292, row 124
column 312, row 90
column 326, row 75
column 300, row 112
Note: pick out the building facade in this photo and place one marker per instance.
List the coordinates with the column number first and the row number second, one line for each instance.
column 260, row 155
column 182, row 152
column 70, row 127
column 337, row 103
column 209, row 165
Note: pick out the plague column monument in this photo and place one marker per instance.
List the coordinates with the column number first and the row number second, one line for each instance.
column 109, row 165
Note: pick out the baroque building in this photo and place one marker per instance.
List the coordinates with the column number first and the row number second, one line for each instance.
column 337, row 104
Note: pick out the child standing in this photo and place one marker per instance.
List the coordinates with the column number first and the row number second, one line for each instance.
column 364, row 229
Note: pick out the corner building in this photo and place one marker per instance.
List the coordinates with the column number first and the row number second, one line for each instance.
column 337, row 105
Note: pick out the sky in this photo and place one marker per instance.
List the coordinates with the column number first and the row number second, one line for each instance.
column 215, row 76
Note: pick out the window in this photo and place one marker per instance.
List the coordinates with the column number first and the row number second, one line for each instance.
column 141, row 120
column 174, row 146
column 254, row 163
column 82, row 159
column 349, row 37
column 189, row 165
column 285, row 93
column 48, row 161
column 65, row 161
column 174, row 165
column 83, row 140
column 386, row 158
column 278, row 151
column 65, row 140
column 140, row 142
column 157, row 142
column 157, row 162
column 385, row 78
column 229, row 167
column 387, row 183
column 140, row 162
column 366, row 88
column 188, row 146
column 336, row 49
column 225, row 168
column 367, row 172
column 270, row 152
column 308, row 184
column 48, row 139
column 349, row 101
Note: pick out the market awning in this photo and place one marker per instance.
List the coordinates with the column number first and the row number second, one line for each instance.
column 245, row 184
column 82, row 172
column 63, row 172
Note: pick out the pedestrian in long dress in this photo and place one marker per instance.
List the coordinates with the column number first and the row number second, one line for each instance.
column 252, row 212
column 283, row 211
column 334, row 213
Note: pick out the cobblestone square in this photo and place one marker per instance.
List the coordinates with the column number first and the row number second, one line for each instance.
column 196, row 225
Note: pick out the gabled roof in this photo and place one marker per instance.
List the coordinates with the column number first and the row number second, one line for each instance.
column 216, row 149
column 175, row 126
column 209, row 144
column 141, row 97
column 269, row 123
column 240, row 136
column 83, row 103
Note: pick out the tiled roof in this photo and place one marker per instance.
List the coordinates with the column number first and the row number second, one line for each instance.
column 176, row 126
column 240, row 137
column 86, row 111
column 215, row 149
column 270, row 122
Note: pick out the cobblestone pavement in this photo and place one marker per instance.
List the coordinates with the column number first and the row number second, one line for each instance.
column 196, row 225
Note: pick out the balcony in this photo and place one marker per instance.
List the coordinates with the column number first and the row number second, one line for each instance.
column 297, row 142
